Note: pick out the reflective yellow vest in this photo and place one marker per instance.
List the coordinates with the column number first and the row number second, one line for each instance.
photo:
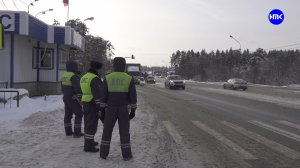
column 85, row 85
column 66, row 78
column 118, row 82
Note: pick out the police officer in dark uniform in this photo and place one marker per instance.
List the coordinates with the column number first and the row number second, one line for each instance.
column 72, row 95
column 90, row 85
column 118, row 92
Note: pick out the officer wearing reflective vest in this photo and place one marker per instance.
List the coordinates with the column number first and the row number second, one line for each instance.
column 72, row 95
column 118, row 92
column 90, row 85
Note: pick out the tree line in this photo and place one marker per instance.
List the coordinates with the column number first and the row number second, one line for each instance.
column 275, row 67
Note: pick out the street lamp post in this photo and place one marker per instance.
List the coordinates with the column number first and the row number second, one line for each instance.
column 28, row 5
column 90, row 18
column 43, row 12
column 31, row 4
column 237, row 42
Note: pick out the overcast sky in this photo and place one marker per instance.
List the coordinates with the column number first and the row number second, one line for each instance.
column 153, row 29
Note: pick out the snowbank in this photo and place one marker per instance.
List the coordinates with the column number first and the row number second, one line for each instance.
column 211, row 83
column 9, row 111
column 22, row 92
column 294, row 86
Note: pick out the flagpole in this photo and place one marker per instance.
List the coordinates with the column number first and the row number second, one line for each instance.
column 68, row 10
column 68, row 13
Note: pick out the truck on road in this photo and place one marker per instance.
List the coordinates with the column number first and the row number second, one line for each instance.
column 134, row 69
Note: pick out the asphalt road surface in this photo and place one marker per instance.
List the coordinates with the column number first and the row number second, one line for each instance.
column 212, row 127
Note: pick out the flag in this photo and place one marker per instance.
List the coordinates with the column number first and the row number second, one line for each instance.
column 66, row 2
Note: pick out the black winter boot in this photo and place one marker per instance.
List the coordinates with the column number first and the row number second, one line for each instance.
column 68, row 129
column 91, row 149
column 89, row 146
column 95, row 143
column 78, row 135
column 127, row 158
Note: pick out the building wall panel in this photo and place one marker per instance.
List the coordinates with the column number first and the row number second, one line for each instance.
column 5, row 59
column 23, row 71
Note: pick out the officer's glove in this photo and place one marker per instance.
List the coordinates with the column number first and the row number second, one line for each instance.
column 132, row 113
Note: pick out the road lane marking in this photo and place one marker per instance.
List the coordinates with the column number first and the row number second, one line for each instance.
column 269, row 143
column 243, row 153
column 276, row 130
column 288, row 124
column 172, row 131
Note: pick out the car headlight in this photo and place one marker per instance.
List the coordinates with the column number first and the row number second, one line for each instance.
column 171, row 81
column 183, row 81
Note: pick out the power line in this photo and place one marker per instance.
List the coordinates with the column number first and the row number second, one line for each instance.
column 294, row 48
column 4, row 4
column 15, row 4
column 295, row 44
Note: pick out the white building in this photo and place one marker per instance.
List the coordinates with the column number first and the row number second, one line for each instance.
column 35, row 53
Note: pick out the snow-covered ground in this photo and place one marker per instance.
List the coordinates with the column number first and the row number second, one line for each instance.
column 33, row 136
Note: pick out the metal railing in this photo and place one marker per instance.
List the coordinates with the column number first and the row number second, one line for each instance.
column 3, row 84
column 7, row 96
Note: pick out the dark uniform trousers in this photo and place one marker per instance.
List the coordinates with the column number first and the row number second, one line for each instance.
column 111, row 116
column 72, row 107
column 90, row 123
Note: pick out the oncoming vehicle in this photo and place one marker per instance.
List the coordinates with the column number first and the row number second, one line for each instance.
column 174, row 81
column 134, row 70
column 142, row 81
column 235, row 83
column 150, row 79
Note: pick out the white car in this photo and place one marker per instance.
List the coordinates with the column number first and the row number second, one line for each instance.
column 235, row 83
column 150, row 79
column 174, row 81
column 142, row 81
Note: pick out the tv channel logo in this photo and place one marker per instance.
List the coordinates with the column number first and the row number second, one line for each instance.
column 276, row 16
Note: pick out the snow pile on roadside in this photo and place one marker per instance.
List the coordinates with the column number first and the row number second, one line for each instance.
column 22, row 92
column 38, row 140
column 9, row 111
column 210, row 83
column 294, row 86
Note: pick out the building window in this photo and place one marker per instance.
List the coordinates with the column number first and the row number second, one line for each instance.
column 45, row 58
column 63, row 58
